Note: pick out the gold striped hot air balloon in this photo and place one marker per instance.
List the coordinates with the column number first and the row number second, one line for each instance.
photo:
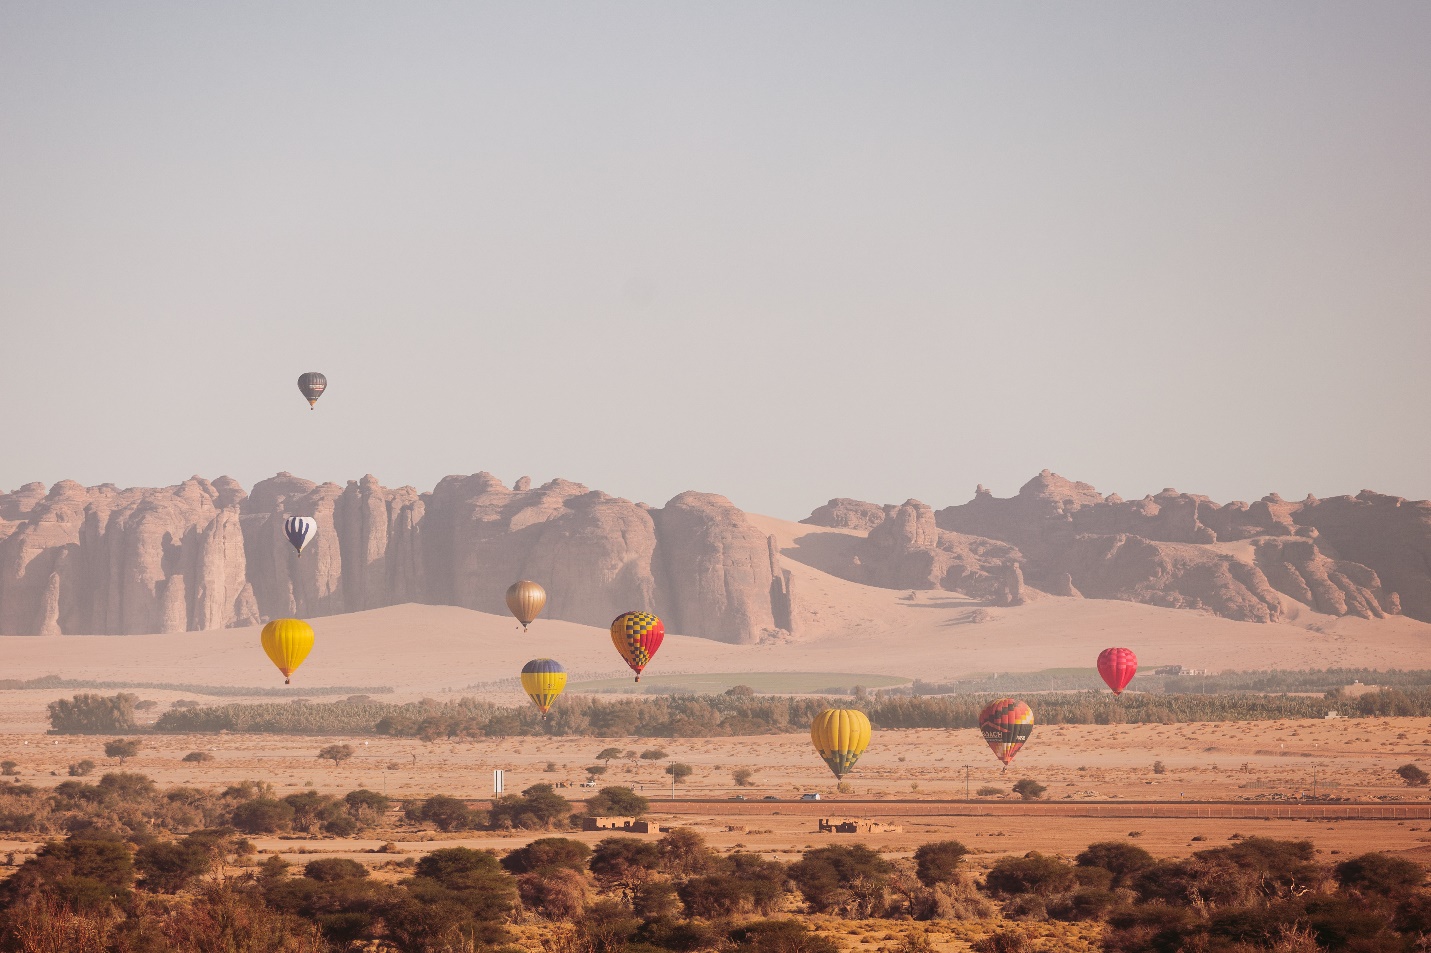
column 526, row 599
column 543, row 680
column 287, row 642
column 841, row 735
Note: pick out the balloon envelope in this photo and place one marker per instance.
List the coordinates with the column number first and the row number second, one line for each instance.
column 526, row 600
column 312, row 385
column 1006, row 724
column 543, row 680
column 1117, row 666
column 841, row 735
column 637, row 636
column 287, row 642
column 300, row 530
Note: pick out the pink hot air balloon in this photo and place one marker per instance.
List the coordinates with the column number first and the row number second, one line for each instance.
column 1117, row 666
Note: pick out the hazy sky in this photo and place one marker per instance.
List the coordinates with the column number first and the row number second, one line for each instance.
column 779, row 251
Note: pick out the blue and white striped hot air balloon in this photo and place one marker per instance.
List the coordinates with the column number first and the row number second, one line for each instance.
column 299, row 530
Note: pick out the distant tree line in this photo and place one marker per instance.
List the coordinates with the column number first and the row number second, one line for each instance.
column 1270, row 680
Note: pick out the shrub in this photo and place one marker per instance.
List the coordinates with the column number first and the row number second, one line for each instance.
column 263, row 815
column 988, row 790
column 849, row 879
column 170, row 867
column 1159, row 768
column 653, row 754
column 446, row 813
column 595, row 771
column 9, row 768
column 88, row 871
column 81, row 769
column 1033, row 873
column 122, row 748
column 1029, row 789
column 938, row 862
column 617, row 802
column 548, row 852
column 1004, row 941
column 1123, row 861
column 1380, row 876
column 333, row 869
column 621, row 859
column 679, row 771
column 197, row 757
column 557, row 893
column 367, row 807
column 684, row 852
column 1413, row 775
column 538, row 807
column 780, row 936
column 742, row 776
column 336, row 753
column 89, row 713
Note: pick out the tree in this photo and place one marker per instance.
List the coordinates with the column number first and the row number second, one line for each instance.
column 89, row 871
column 197, row 757
column 620, row 859
column 336, row 753
column 1123, row 861
column 537, row 808
column 740, row 691
column 938, row 862
column 1029, row 789
column 742, row 776
column 170, row 867
column 595, row 771
column 1032, row 873
column 606, row 754
column 9, row 768
column 850, row 878
column 122, row 748
column 334, row 869
column 1379, row 875
column 617, row 802
column 679, row 771
column 263, row 815
column 447, row 813
column 1413, row 775
column 89, row 713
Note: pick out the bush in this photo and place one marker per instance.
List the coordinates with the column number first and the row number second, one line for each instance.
column 988, row 790
column 546, row 853
column 88, row 871
column 938, row 862
column 742, row 776
column 1413, row 775
column 81, row 769
column 171, row 867
column 333, row 869
column 1029, row 789
column 538, row 807
column 1380, row 876
column 1122, row 860
column 679, row 771
column 846, row 879
column 1004, row 941
column 556, row 893
column 122, row 748
column 1159, row 768
column 617, row 802
column 9, row 768
column 446, row 813
column 621, row 859
column 89, row 713
column 263, row 815
column 653, row 754
column 1033, row 873
column 197, row 757
column 780, row 936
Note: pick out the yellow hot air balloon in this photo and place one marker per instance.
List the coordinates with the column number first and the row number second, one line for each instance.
column 841, row 735
column 287, row 642
column 543, row 680
column 526, row 599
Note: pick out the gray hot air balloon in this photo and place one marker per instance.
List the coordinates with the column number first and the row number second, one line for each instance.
column 312, row 385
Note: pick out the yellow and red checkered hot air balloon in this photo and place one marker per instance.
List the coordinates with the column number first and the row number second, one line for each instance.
column 637, row 636
column 1006, row 724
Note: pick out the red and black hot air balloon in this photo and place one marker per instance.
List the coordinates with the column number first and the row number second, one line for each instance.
column 1117, row 666
column 637, row 636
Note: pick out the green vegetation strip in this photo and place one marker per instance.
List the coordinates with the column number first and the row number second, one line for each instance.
column 766, row 683
column 213, row 691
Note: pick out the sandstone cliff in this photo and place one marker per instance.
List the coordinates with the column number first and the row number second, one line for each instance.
column 1365, row 556
column 206, row 555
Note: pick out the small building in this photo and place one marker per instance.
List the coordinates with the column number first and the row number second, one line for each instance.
column 850, row 825
column 598, row 823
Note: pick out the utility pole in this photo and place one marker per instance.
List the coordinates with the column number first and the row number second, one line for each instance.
column 966, row 782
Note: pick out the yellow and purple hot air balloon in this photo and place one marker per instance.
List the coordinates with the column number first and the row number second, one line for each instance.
column 543, row 680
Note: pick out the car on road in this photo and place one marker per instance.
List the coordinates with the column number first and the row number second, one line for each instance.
column 810, row 797
column 770, row 797
column 736, row 797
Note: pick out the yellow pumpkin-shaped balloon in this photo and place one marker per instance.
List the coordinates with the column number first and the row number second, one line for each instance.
column 526, row 599
column 543, row 680
column 841, row 735
column 287, row 642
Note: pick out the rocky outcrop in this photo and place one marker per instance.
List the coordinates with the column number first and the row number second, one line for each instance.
column 207, row 555
column 1366, row 556
column 844, row 513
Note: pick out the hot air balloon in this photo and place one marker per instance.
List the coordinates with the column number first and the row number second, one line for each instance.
column 543, row 680
column 299, row 530
column 526, row 600
column 841, row 735
column 1006, row 724
column 312, row 385
column 287, row 642
column 1117, row 666
column 637, row 636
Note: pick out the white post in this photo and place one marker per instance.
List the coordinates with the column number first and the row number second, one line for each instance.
column 497, row 780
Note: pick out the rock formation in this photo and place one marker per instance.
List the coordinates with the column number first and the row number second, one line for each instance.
column 206, row 555
column 1365, row 556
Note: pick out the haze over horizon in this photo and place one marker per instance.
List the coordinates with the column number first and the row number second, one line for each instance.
column 781, row 253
